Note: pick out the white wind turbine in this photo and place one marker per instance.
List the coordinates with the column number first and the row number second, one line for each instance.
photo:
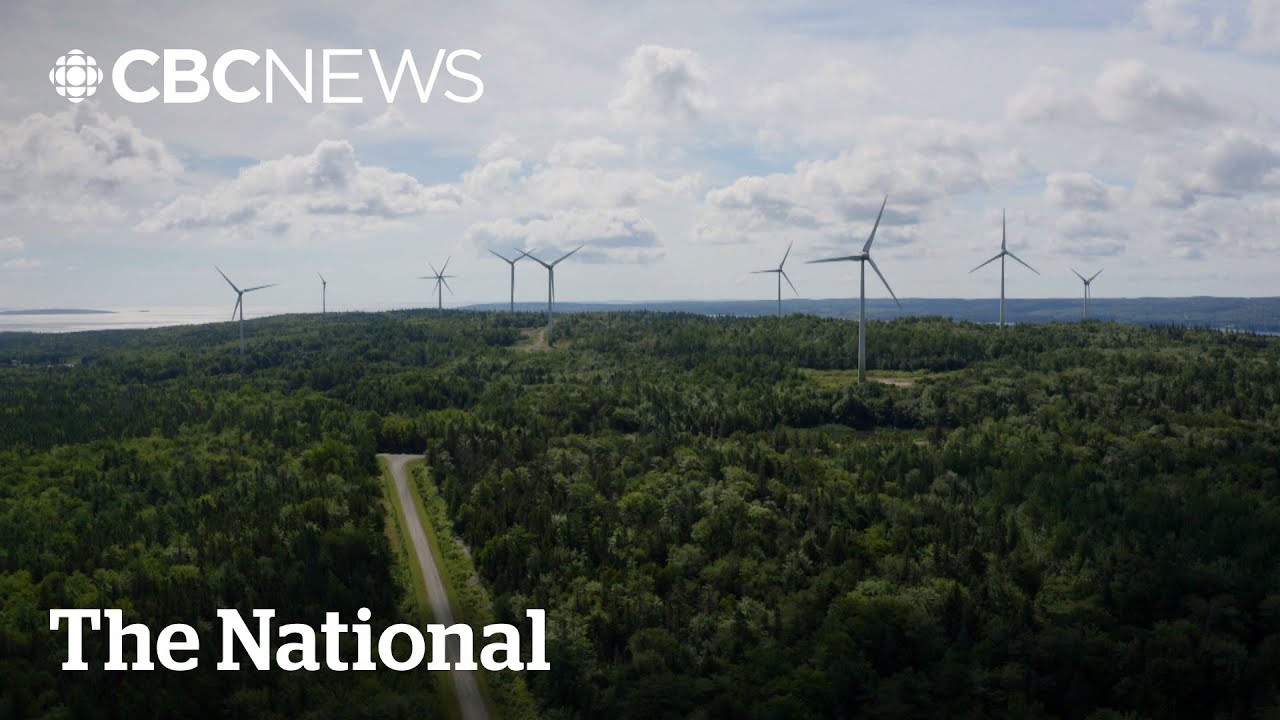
column 1004, row 250
column 864, row 258
column 441, row 282
column 239, row 302
column 782, row 274
column 512, row 262
column 324, row 292
column 551, row 283
column 1088, row 291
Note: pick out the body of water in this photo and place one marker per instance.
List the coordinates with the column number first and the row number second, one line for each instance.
column 122, row 319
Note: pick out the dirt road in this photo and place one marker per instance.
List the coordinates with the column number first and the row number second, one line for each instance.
column 464, row 681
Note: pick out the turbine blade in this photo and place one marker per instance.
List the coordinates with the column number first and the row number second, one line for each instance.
column 566, row 255
column 997, row 257
column 1015, row 257
column 1003, row 234
column 1086, row 282
column 502, row 257
column 793, row 287
column 433, row 268
column 846, row 258
column 785, row 255
column 446, row 264
column 535, row 258
column 871, row 238
column 322, row 280
column 260, row 287
column 1095, row 275
column 237, row 307
column 763, row 272
column 446, row 285
column 886, row 282
column 224, row 277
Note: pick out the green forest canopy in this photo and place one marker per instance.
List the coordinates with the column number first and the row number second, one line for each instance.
column 1062, row 520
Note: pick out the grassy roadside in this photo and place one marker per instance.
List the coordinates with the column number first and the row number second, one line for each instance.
column 504, row 692
column 409, row 577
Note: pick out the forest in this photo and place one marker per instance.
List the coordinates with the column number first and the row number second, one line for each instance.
column 1061, row 520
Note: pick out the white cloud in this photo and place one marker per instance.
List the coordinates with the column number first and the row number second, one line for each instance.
column 917, row 162
column 12, row 244
column 1089, row 234
column 80, row 163
column 1126, row 93
column 491, row 176
column 663, row 85
column 1078, row 191
column 1233, row 163
column 324, row 185
column 620, row 236
column 586, row 151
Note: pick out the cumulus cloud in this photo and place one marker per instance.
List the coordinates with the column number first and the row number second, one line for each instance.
column 1234, row 164
column 327, row 183
column 80, row 163
column 1237, row 162
column 586, row 152
column 609, row 235
column 553, row 186
column 916, row 162
column 1078, row 191
column 1126, row 93
column 663, row 84
column 1089, row 234
column 491, row 176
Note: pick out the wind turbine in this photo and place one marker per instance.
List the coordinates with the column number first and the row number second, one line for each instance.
column 512, row 263
column 1004, row 250
column 441, row 280
column 864, row 258
column 324, row 291
column 782, row 274
column 551, row 283
column 239, row 302
column 1088, row 292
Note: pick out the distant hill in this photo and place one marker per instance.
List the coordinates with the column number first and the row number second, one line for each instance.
column 1244, row 314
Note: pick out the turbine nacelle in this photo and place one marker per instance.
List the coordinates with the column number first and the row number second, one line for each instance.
column 239, row 306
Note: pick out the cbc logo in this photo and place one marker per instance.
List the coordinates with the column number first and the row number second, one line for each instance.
column 189, row 76
column 76, row 76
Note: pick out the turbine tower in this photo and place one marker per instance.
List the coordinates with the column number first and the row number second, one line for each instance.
column 864, row 258
column 512, row 262
column 324, row 291
column 782, row 274
column 1088, row 291
column 1004, row 250
column 240, row 302
column 441, row 282
column 551, row 283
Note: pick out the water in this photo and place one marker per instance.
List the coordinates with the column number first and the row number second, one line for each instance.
column 121, row 319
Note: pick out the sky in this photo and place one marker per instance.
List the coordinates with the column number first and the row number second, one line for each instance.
column 684, row 144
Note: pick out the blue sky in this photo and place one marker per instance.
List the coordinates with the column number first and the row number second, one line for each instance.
column 683, row 145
